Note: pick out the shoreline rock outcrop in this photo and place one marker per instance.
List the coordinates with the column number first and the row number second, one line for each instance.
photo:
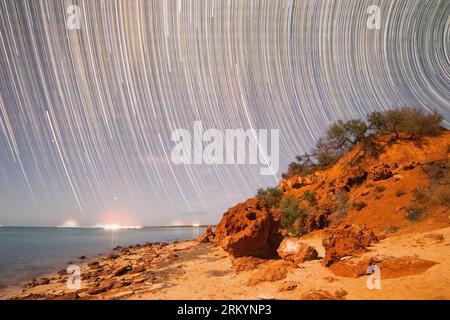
column 207, row 236
column 250, row 228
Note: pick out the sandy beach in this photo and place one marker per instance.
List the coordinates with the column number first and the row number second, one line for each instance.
column 193, row 270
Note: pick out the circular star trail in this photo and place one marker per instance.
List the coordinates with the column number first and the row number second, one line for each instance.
column 86, row 114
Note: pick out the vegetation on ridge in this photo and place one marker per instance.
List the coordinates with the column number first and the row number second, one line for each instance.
column 341, row 137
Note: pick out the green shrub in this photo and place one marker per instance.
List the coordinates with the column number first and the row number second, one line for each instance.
column 421, row 194
column 325, row 154
column 442, row 195
column 414, row 214
column 303, row 166
column 359, row 205
column 411, row 121
column 341, row 199
column 271, row 195
column 344, row 135
column 293, row 216
column 438, row 172
column 310, row 196
column 341, row 136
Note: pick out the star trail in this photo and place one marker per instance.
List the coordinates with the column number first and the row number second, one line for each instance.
column 86, row 114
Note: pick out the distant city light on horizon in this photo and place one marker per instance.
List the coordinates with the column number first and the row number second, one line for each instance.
column 69, row 224
column 115, row 226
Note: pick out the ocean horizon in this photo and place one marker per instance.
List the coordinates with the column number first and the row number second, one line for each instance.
column 30, row 252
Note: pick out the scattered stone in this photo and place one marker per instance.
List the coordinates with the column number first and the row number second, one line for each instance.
column 404, row 266
column 120, row 284
column 265, row 296
column 288, row 286
column 137, row 269
column 66, row 296
column 122, row 295
column 380, row 172
column 62, row 272
column 121, row 271
column 82, row 257
column 245, row 263
column 31, row 284
column 113, row 256
column 340, row 294
column 157, row 286
column 273, row 272
column 207, row 236
column 292, row 249
column 352, row 268
column 330, row 279
column 323, row 295
column 172, row 257
column 436, row 237
column 93, row 264
column 343, row 239
column 104, row 286
column 43, row 281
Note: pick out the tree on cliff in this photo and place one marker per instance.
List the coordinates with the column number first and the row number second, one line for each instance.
column 342, row 136
column 271, row 195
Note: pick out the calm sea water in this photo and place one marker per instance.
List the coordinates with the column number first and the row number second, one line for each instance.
column 30, row 252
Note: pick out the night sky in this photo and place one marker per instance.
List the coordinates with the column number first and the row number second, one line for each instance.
column 86, row 114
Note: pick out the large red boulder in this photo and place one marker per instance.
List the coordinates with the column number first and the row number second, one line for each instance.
column 250, row 229
column 207, row 236
column 343, row 239
column 292, row 249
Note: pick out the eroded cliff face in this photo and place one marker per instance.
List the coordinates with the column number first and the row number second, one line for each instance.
column 379, row 189
column 391, row 187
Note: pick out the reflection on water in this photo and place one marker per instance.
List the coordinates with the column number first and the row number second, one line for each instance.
column 29, row 252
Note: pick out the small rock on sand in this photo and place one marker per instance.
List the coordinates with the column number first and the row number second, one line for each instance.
column 288, row 286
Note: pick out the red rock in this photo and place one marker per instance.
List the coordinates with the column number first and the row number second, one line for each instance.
column 104, row 286
column 352, row 268
column 342, row 240
column 207, row 236
column 288, row 286
column 93, row 264
column 121, row 271
column 323, row 295
column 245, row 263
column 250, row 229
column 62, row 272
column 172, row 257
column 275, row 271
column 317, row 221
column 66, row 296
column 330, row 279
column 404, row 266
column 292, row 249
column 43, row 281
column 137, row 269
column 380, row 172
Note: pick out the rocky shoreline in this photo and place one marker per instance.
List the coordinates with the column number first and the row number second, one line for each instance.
column 202, row 269
column 123, row 268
